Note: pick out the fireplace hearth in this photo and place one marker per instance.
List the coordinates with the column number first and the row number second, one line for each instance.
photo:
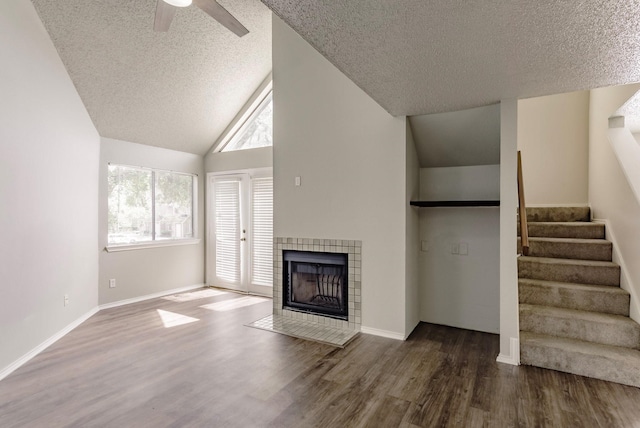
column 316, row 283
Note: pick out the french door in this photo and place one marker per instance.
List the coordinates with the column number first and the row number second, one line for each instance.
column 240, row 225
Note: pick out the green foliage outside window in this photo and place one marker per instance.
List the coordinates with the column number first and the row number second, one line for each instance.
column 136, row 195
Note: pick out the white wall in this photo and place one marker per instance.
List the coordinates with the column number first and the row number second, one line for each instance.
column 149, row 270
column 239, row 160
column 350, row 155
column 412, row 278
column 481, row 182
column 49, row 152
column 458, row 138
column 509, row 319
column 610, row 194
column 553, row 135
column 460, row 290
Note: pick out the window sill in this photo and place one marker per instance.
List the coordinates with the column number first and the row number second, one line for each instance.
column 151, row 244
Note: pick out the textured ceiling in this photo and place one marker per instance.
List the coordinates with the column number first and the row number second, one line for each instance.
column 181, row 89
column 427, row 56
column 176, row 90
column 461, row 138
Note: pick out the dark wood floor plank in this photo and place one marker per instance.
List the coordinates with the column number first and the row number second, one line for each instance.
column 387, row 411
column 123, row 367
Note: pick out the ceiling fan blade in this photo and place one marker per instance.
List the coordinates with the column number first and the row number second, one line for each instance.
column 220, row 14
column 164, row 15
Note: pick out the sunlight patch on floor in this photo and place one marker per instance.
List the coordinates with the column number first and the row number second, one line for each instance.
column 195, row 295
column 232, row 304
column 172, row 319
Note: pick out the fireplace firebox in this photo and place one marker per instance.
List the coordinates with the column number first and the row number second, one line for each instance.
column 315, row 282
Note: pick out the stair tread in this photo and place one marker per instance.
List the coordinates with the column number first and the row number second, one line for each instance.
column 575, row 286
column 567, row 223
column 581, row 346
column 553, row 260
column 566, row 229
column 589, row 241
column 569, row 213
column 607, row 362
column 598, row 317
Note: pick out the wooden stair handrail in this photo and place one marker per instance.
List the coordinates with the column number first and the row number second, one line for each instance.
column 522, row 210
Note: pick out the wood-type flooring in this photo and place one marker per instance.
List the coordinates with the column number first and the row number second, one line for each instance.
column 191, row 362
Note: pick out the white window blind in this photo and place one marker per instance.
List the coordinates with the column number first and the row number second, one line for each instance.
column 227, row 229
column 262, row 242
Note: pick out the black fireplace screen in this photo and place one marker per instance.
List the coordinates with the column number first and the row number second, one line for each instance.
column 316, row 282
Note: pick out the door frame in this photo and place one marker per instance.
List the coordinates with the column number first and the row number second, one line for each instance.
column 210, row 248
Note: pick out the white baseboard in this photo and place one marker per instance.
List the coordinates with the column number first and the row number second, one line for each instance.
column 150, row 296
column 382, row 333
column 514, row 357
column 44, row 345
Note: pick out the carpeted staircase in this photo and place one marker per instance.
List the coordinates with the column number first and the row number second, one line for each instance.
column 574, row 317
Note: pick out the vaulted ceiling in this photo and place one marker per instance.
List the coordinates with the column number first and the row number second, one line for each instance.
column 182, row 88
column 178, row 89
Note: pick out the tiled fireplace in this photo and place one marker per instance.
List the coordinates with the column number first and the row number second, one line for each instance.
column 325, row 275
column 353, row 251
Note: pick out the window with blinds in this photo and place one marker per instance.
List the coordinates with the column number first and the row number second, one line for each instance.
column 262, row 231
column 227, row 229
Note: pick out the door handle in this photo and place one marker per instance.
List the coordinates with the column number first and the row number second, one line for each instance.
column 243, row 239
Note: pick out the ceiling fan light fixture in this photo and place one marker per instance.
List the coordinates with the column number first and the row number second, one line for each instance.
column 178, row 3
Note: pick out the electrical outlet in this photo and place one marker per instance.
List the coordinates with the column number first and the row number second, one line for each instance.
column 455, row 248
column 112, row 283
column 66, row 299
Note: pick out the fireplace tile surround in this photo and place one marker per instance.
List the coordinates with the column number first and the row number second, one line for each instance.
column 308, row 326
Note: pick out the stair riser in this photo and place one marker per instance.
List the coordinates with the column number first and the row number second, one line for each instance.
column 559, row 214
column 583, row 231
column 616, row 334
column 579, row 274
column 565, row 250
column 578, row 363
column 584, row 300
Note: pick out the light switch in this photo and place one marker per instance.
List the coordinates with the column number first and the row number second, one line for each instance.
column 455, row 248
column 297, row 181
column 464, row 248
column 424, row 246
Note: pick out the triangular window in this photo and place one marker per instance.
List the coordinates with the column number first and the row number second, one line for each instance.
column 257, row 131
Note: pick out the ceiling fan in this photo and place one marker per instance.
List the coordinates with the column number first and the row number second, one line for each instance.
column 166, row 10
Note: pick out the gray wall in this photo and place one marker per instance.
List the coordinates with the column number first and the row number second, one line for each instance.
column 610, row 194
column 239, row 160
column 149, row 270
column 351, row 157
column 553, row 135
column 412, row 239
column 49, row 152
column 460, row 290
column 458, row 138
